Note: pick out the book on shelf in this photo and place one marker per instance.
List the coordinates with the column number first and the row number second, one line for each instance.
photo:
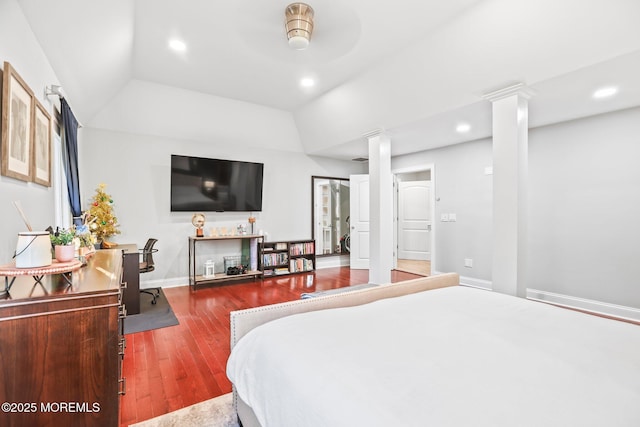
column 269, row 260
column 300, row 264
column 305, row 248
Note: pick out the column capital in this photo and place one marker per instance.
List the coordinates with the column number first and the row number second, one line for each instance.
column 519, row 89
column 373, row 133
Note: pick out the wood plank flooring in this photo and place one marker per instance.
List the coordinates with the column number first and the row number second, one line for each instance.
column 422, row 268
column 174, row 367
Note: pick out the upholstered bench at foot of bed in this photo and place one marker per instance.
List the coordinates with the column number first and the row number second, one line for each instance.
column 337, row 290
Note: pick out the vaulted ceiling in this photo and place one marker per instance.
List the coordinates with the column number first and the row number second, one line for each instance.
column 416, row 68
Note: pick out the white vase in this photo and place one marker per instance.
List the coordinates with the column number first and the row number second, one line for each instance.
column 65, row 253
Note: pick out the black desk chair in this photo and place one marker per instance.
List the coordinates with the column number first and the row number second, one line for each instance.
column 147, row 265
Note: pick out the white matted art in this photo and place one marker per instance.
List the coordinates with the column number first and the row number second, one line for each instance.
column 41, row 158
column 17, row 105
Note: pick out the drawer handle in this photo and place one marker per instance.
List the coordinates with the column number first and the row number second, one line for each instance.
column 122, row 345
column 122, row 312
column 123, row 386
column 124, row 285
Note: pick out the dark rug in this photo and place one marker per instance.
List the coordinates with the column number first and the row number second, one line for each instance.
column 151, row 316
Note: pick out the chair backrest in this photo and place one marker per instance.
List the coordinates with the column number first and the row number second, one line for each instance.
column 147, row 263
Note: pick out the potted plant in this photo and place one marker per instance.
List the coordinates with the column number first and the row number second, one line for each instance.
column 63, row 244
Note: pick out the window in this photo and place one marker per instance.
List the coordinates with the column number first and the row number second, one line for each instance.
column 62, row 208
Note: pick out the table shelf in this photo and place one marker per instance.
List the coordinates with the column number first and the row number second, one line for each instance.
column 250, row 243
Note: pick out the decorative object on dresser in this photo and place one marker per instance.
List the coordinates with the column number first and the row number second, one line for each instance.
column 34, row 247
column 101, row 217
column 63, row 244
column 297, row 256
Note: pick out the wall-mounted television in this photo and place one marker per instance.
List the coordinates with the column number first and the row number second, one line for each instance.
column 215, row 185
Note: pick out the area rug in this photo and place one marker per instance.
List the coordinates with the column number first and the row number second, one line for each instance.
column 152, row 316
column 216, row 412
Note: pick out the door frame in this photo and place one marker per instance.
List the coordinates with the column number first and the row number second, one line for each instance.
column 417, row 168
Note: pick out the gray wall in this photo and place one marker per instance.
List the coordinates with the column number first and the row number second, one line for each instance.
column 136, row 169
column 461, row 188
column 29, row 61
column 584, row 207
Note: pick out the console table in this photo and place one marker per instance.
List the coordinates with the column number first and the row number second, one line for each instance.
column 250, row 244
column 61, row 347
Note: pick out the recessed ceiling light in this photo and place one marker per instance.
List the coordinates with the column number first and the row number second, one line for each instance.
column 463, row 128
column 605, row 92
column 307, row 82
column 177, row 45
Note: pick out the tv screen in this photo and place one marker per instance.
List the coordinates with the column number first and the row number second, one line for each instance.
column 200, row 184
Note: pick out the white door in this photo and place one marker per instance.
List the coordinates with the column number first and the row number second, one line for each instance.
column 359, row 220
column 414, row 220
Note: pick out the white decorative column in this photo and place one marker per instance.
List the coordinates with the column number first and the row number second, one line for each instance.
column 380, row 208
column 510, row 177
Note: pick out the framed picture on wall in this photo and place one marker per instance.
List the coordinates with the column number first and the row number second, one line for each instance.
column 41, row 154
column 17, row 104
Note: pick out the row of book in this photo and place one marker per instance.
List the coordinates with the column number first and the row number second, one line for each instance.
column 300, row 264
column 276, row 271
column 302, row 248
column 269, row 260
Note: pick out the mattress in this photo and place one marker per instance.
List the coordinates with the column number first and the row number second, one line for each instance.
column 448, row 357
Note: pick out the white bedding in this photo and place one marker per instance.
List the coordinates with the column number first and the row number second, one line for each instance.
column 448, row 357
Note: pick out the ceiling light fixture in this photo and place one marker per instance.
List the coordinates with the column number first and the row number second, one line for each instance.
column 463, row 128
column 177, row 45
column 307, row 82
column 299, row 25
column 605, row 92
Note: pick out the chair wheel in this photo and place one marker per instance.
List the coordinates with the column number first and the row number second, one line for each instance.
column 153, row 302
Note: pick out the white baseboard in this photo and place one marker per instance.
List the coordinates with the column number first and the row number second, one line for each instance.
column 598, row 307
column 164, row 283
column 471, row 282
column 332, row 261
column 476, row 283
column 593, row 306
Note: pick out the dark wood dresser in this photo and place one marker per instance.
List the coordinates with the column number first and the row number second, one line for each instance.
column 61, row 347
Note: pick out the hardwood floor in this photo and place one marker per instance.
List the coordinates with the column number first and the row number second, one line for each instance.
column 422, row 268
column 174, row 367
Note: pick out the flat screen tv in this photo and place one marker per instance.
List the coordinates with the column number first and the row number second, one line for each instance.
column 215, row 185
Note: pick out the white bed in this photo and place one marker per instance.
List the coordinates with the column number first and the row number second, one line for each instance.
column 454, row 356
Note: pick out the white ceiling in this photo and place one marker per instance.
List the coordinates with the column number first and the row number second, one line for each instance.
column 237, row 49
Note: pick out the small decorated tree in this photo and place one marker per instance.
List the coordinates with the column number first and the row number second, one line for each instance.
column 101, row 219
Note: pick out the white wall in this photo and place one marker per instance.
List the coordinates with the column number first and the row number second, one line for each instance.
column 136, row 169
column 461, row 187
column 32, row 65
column 584, row 208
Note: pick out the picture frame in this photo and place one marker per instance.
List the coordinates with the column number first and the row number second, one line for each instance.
column 17, row 109
column 41, row 140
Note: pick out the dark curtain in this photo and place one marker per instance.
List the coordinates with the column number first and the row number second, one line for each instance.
column 71, row 160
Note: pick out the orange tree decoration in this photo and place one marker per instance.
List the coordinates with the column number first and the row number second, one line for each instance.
column 101, row 219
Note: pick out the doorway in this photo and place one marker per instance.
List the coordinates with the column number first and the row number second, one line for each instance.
column 413, row 228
